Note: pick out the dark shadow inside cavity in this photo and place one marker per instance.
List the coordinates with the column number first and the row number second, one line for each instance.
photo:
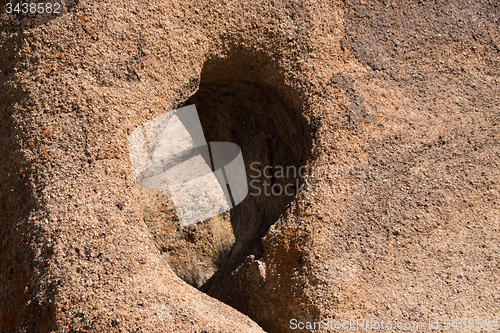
column 243, row 99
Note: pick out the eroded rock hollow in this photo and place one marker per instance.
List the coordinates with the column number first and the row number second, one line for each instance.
column 392, row 107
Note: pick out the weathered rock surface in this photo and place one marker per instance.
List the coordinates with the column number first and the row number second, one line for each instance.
column 394, row 106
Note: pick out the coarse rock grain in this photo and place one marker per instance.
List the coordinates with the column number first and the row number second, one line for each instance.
column 396, row 108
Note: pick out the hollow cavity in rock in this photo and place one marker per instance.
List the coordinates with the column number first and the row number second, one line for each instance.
column 242, row 98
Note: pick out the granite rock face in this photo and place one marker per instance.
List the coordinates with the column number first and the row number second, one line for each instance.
column 392, row 107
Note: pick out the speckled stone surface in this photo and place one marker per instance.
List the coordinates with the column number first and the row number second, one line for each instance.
column 397, row 100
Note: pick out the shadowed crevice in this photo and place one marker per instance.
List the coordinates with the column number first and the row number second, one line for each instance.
column 243, row 99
